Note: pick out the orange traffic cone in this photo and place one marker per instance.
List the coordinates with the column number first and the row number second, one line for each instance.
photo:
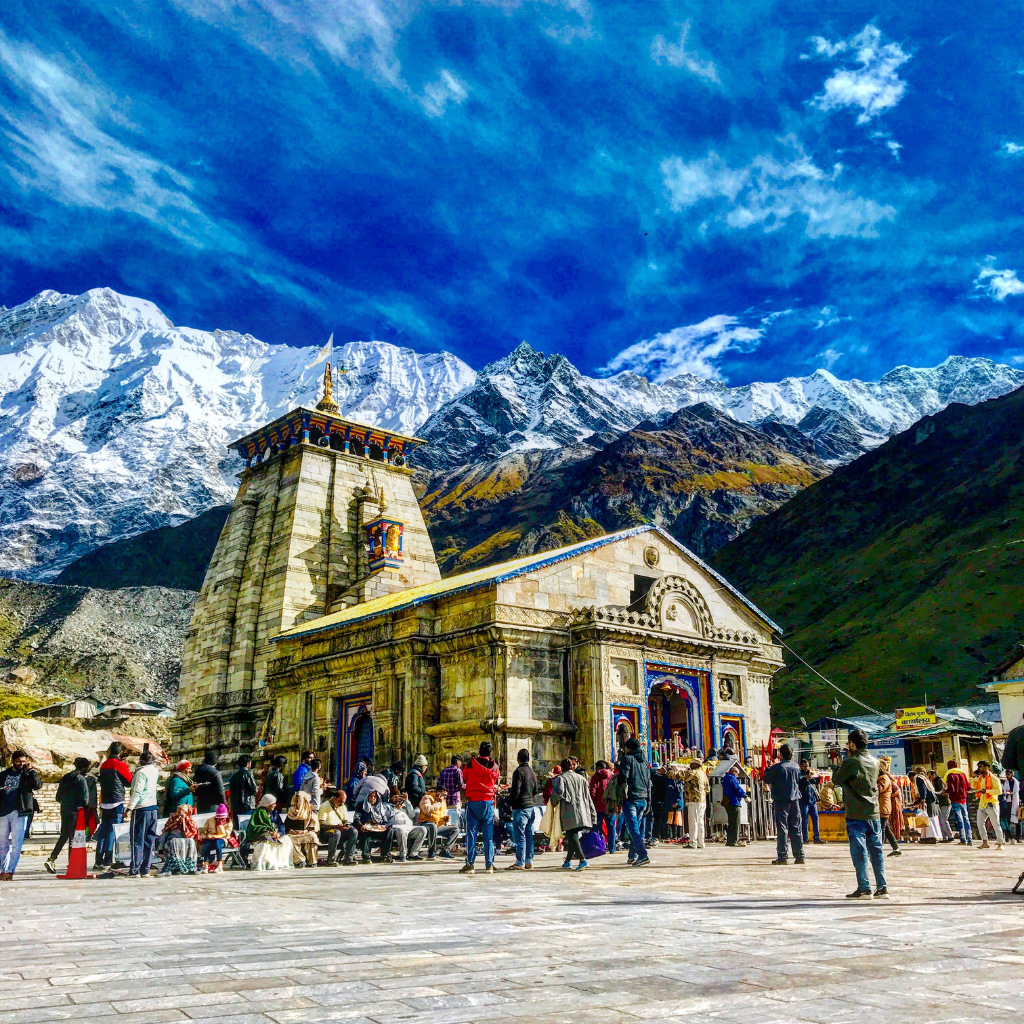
column 78, row 859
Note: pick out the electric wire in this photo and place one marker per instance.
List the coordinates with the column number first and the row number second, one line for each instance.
column 849, row 696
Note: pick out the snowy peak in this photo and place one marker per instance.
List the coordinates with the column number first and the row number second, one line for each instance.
column 526, row 401
column 114, row 421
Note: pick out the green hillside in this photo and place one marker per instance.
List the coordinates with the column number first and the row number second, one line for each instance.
column 899, row 575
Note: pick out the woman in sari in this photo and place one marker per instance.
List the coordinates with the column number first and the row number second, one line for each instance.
column 270, row 850
column 303, row 830
column 894, row 825
column 178, row 842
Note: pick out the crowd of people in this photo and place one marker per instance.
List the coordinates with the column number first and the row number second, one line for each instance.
column 282, row 819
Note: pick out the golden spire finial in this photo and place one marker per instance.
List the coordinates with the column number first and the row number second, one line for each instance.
column 383, row 502
column 327, row 403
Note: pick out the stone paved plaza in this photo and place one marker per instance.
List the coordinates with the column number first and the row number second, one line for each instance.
column 718, row 935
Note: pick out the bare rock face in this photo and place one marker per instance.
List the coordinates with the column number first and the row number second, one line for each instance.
column 113, row 645
column 53, row 748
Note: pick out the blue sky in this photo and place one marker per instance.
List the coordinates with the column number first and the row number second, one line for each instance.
column 738, row 188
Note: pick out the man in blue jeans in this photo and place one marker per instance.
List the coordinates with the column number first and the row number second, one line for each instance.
column 784, row 780
column 809, row 796
column 858, row 775
column 636, row 774
column 523, row 798
column 481, row 777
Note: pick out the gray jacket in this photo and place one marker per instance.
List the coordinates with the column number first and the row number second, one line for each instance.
column 575, row 804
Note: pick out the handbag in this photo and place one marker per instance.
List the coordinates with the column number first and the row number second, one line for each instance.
column 551, row 822
column 593, row 845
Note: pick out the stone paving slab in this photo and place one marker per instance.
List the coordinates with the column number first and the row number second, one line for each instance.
column 702, row 937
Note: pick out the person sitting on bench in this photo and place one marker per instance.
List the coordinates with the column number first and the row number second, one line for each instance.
column 335, row 829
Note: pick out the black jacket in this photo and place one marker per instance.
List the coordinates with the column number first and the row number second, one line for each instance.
column 275, row 785
column 209, row 791
column 243, row 791
column 415, row 786
column 115, row 777
column 636, row 773
column 72, row 792
column 16, row 789
column 526, row 790
column 1013, row 754
column 808, row 788
column 659, row 787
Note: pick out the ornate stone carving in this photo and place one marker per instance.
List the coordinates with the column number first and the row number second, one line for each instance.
column 651, row 556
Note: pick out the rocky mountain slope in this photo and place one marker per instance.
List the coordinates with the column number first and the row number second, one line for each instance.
column 113, row 421
column 171, row 556
column 530, row 401
column 700, row 474
column 114, row 645
column 898, row 575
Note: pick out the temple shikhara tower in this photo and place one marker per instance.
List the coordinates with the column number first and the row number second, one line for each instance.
column 323, row 623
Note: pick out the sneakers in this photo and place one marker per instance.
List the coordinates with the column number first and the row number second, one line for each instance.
column 799, row 860
column 819, row 842
column 895, row 853
column 447, row 854
column 881, row 893
column 642, row 863
column 859, row 894
column 582, row 866
column 567, row 866
column 467, row 869
column 779, row 860
column 51, row 866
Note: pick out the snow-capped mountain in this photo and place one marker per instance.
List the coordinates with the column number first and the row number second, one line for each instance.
column 528, row 401
column 114, row 421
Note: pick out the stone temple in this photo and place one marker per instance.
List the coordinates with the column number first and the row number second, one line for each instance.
column 324, row 624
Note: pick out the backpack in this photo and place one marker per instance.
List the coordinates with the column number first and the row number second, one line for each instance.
column 615, row 793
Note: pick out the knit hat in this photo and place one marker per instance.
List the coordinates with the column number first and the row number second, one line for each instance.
column 183, row 766
column 221, row 812
column 420, row 762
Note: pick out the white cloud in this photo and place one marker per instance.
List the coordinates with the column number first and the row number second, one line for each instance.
column 998, row 284
column 1011, row 149
column 678, row 56
column 693, row 349
column 872, row 84
column 445, row 89
column 64, row 144
column 769, row 191
column 830, row 357
column 828, row 317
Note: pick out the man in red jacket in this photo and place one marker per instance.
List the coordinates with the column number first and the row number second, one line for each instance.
column 957, row 788
column 481, row 775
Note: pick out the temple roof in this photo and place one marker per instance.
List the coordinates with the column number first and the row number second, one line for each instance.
column 289, row 425
column 479, row 578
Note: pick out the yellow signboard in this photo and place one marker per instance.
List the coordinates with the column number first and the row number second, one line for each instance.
column 915, row 718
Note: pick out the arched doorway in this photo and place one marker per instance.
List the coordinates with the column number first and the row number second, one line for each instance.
column 355, row 735
column 671, row 721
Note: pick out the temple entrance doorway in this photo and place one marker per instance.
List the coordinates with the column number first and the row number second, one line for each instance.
column 355, row 735
column 670, row 718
